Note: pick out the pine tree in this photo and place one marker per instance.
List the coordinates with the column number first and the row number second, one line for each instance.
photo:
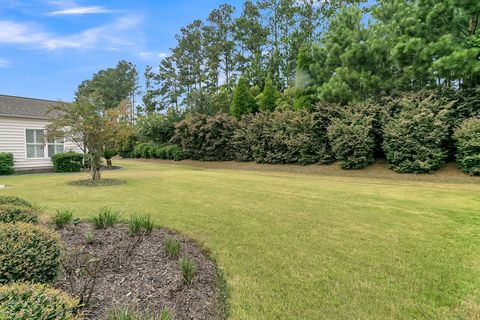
column 243, row 100
column 269, row 96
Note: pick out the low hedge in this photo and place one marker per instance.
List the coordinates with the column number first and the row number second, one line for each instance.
column 6, row 163
column 25, row 301
column 467, row 138
column 10, row 213
column 28, row 253
column 67, row 162
column 169, row 152
column 15, row 201
column 144, row 150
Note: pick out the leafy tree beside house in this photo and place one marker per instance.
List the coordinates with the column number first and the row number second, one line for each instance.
column 86, row 123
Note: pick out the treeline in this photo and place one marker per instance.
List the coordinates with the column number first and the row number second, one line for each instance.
column 310, row 81
column 303, row 52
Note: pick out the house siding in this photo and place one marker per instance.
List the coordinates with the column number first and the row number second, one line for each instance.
column 12, row 139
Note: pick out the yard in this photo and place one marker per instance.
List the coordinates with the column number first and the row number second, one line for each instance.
column 298, row 246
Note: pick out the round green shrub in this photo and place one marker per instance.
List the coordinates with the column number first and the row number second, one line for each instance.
column 160, row 153
column 25, row 301
column 467, row 138
column 174, row 152
column 10, row 213
column 6, row 163
column 145, row 150
column 67, row 162
column 414, row 138
column 109, row 153
column 352, row 139
column 28, row 253
column 15, row 201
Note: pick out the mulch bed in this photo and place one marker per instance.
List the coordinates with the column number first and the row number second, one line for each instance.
column 145, row 280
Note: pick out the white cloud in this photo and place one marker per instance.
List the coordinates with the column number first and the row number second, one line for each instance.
column 13, row 32
column 4, row 63
column 151, row 55
column 113, row 35
column 80, row 11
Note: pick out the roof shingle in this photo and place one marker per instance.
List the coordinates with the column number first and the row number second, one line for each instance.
column 25, row 107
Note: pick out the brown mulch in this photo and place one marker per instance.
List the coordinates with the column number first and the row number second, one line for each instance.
column 97, row 183
column 146, row 280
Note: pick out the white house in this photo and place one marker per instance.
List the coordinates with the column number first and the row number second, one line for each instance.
column 22, row 132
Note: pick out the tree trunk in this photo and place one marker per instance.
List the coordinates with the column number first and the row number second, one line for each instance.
column 109, row 163
column 95, row 163
column 472, row 25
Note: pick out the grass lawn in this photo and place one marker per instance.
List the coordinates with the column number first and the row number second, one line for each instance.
column 297, row 246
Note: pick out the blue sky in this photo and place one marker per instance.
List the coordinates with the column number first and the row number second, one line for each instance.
column 48, row 47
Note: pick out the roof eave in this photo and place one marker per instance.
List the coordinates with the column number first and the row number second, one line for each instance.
column 23, row 116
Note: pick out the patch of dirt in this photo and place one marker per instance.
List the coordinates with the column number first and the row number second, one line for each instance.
column 147, row 280
column 448, row 173
column 97, row 183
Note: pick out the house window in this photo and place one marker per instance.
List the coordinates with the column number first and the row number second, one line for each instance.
column 35, row 140
column 54, row 147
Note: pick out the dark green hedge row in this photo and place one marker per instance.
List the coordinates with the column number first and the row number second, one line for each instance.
column 149, row 150
column 413, row 131
column 467, row 138
column 282, row 137
column 67, row 162
column 6, row 163
column 206, row 138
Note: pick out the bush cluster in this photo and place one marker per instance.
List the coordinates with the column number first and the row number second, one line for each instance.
column 25, row 301
column 67, row 162
column 169, row 152
column 28, row 253
column 144, row 150
column 282, row 137
column 157, row 128
column 467, row 138
column 414, row 138
column 352, row 139
column 126, row 147
column 10, row 213
column 206, row 138
column 414, row 131
column 6, row 163
column 149, row 150
column 15, row 201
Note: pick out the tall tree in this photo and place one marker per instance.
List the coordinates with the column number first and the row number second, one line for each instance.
column 429, row 42
column 251, row 38
column 112, row 85
column 221, row 23
column 190, row 56
column 149, row 99
column 170, row 89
